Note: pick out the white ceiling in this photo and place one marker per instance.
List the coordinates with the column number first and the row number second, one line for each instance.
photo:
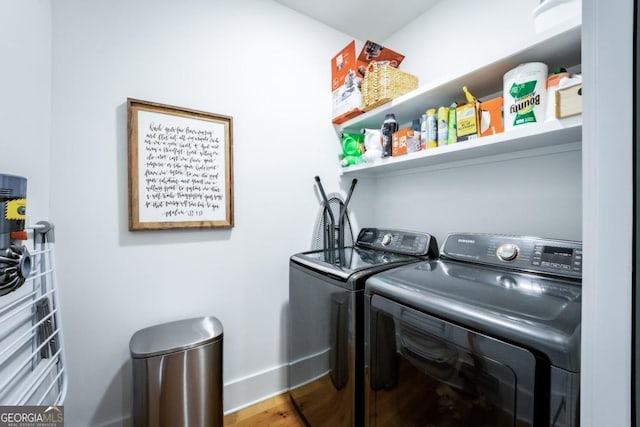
column 373, row 20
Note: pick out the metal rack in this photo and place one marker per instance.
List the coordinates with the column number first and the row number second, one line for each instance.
column 32, row 361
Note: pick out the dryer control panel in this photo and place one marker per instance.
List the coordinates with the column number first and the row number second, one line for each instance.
column 557, row 257
column 398, row 241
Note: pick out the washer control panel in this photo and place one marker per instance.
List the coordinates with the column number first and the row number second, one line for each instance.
column 399, row 241
column 558, row 257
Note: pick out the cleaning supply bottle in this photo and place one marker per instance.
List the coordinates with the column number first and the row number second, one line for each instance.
column 352, row 149
column 423, row 132
column 389, row 127
column 452, row 136
column 468, row 95
column 432, row 128
column 415, row 144
column 443, row 126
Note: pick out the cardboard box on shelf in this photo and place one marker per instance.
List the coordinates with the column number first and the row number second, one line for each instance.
column 569, row 101
column 345, row 84
column 347, row 72
column 490, row 117
column 405, row 141
column 467, row 121
column 372, row 51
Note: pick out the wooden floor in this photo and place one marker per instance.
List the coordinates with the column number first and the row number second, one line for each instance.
column 277, row 412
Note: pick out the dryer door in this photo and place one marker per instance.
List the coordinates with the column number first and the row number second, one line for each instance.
column 426, row 371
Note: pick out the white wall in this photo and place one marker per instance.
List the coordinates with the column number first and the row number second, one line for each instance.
column 263, row 64
column 539, row 195
column 25, row 110
column 456, row 36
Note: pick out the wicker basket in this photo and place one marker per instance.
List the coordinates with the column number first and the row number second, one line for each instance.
column 382, row 83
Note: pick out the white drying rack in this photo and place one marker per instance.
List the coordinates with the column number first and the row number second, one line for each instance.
column 32, row 362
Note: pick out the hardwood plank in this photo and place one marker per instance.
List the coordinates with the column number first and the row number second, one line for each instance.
column 274, row 412
column 323, row 404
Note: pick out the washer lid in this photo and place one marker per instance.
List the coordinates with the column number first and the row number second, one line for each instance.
column 349, row 261
column 174, row 336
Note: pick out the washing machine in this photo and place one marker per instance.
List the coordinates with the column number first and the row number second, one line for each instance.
column 326, row 321
column 488, row 335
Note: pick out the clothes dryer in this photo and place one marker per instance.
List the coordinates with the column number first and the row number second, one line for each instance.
column 486, row 336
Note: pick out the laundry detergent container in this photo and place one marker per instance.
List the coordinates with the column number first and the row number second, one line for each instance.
column 177, row 374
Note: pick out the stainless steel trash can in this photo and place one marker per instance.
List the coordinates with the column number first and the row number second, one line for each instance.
column 177, row 374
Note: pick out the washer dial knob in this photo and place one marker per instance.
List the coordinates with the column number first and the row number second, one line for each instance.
column 386, row 239
column 507, row 251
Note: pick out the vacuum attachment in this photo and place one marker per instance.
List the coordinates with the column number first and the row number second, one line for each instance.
column 15, row 260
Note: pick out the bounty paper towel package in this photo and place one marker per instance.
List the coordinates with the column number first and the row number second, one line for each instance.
column 525, row 95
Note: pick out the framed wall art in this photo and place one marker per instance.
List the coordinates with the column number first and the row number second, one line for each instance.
column 180, row 167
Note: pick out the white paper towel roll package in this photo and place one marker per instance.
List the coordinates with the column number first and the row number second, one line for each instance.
column 525, row 95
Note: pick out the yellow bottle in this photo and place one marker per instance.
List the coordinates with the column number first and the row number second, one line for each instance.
column 432, row 128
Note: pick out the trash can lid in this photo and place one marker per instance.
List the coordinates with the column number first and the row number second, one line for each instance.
column 174, row 336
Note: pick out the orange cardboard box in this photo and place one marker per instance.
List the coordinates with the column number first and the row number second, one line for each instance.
column 372, row 51
column 405, row 141
column 399, row 142
column 347, row 72
column 346, row 76
column 490, row 117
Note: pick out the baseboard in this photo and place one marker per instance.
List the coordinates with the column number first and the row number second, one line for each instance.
column 254, row 388
column 309, row 368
